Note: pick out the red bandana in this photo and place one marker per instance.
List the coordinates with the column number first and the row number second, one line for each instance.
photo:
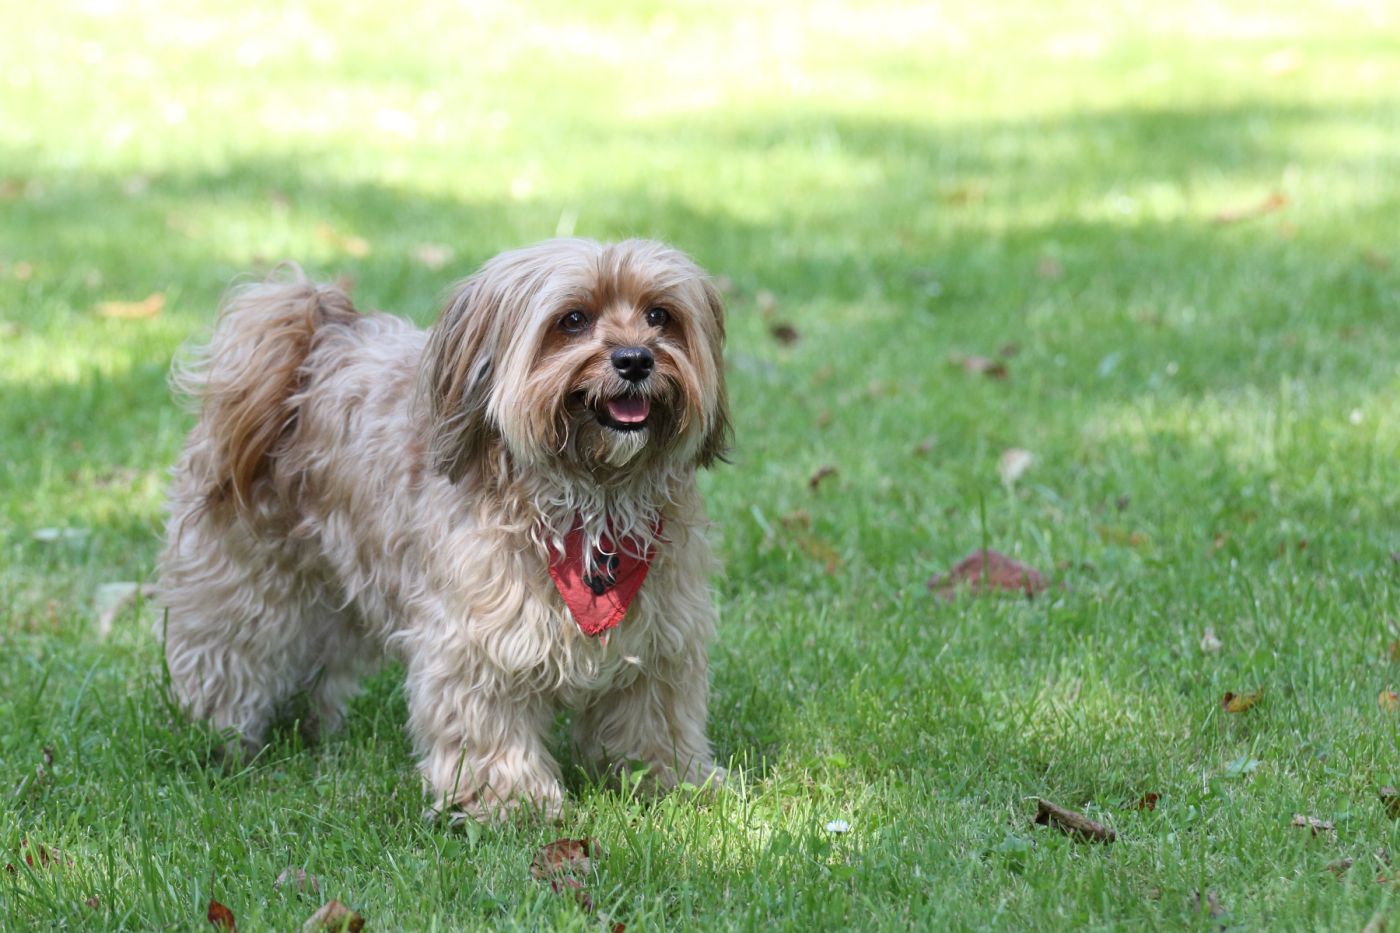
column 598, row 602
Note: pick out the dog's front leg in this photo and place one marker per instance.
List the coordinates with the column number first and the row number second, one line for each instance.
column 483, row 748
column 658, row 719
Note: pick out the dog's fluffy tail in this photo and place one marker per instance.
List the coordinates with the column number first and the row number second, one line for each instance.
column 243, row 380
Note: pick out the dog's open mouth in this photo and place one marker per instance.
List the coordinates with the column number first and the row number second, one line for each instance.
column 625, row 413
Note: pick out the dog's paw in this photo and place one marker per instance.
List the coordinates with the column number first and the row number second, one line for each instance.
column 547, row 809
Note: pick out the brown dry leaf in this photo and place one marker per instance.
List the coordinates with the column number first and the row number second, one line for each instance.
column 1393, row 652
column 1239, row 702
column 221, row 917
column 785, row 334
column 1390, row 799
column 984, row 571
column 1071, row 823
column 1213, row 906
column 820, row 551
column 355, row 246
column 824, row 472
column 334, row 915
column 299, row 880
column 432, row 255
column 1388, row 700
column 1275, row 201
column 147, row 307
column 1147, row 801
column 574, row 887
column 981, row 365
column 1014, row 462
column 1340, row 866
column 563, row 856
column 1313, row 823
column 39, row 855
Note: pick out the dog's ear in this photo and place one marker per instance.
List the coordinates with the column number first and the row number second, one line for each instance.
column 719, row 434
column 458, row 370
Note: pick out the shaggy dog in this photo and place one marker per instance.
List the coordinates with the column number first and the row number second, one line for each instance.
column 482, row 501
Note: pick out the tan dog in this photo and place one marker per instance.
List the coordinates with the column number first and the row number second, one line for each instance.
column 482, row 501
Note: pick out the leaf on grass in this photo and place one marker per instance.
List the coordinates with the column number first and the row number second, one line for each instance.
column 981, row 366
column 112, row 599
column 560, row 861
column 221, row 917
column 355, row 246
column 822, row 473
column 1147, row 801
column 819, row 550
column 563, row 856
column 1388, row 700
column 38, row 856
column 1212, row 904
column 1275, row 201
column 1340, row 866
column 785, row 334
column 1239, row 702
column 335, row 916
column 432, row 255
column 299, row 880
column 147, row 307
column 1393, row 651
column 985, row 571
column 1390, row 799
column 1312, row 823
column 1209, row 643
column 1014, row 462
column 1073, row 824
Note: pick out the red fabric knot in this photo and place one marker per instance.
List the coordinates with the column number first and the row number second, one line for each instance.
column 598, row 601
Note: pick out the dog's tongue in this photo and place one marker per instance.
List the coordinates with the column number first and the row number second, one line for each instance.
column 629, row 409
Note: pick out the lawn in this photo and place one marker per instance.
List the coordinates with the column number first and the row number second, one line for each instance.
column 1176, row 227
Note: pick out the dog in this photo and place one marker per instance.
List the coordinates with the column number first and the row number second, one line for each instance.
column 507, row 503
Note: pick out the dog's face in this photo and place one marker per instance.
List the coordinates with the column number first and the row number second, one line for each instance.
column 606, row 357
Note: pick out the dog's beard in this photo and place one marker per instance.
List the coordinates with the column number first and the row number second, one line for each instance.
column 620, row 448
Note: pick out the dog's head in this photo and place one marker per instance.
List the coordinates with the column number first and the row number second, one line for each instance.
column 606, row 357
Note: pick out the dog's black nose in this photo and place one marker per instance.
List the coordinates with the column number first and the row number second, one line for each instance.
column 633, row 363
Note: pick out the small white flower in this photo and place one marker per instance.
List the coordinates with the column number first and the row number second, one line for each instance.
column 838, row 826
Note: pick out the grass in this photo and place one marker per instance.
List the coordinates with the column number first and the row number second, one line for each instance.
column 1211, row 409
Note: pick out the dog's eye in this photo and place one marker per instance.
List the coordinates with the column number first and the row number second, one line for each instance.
column 657, row 317
column 574, row 322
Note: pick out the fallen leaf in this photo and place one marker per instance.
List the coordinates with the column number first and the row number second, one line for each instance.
column 984, row 571
column 299, row 880
column 1275, row 201
column 785, row 334
column 560, row 861
column 1008, row 350
column 1239, row 702
column 1340, row 866
column 1313, row 823
column 334, row 915
column 148, row 307
column 1390, row 799
column 112, row 598
column 1122, row 503
column 1389, row 700
column 563, row 856
column 820, row 551
column 924, row 447
column 1393, row 651
column 355, row 246
column 1212, row 904
column 1013, row 462
column 1147, row 801
column 824, row 472
column 800, row 518
column 221, row 917
column 981, row 365
column 1071, row 823
column 432, row 255
column 39, row 856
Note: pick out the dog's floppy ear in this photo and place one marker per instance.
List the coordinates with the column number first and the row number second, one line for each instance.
column 458, row 370
column 720, row 430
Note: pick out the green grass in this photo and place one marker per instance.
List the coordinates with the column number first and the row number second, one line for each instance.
column 1212, row 409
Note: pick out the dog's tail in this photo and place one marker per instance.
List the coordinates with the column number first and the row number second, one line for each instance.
column 244, row 379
